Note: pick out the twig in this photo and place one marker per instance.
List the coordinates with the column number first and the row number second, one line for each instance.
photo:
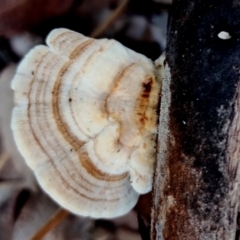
column 12, row 6
column 3, row 159
column 110, row 20
column 54, row 220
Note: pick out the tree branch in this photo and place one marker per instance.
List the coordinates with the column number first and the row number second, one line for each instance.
column 196, row 185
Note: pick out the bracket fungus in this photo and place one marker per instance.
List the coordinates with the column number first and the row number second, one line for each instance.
column 85, row 120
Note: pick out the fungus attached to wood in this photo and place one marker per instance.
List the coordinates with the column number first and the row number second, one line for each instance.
column 86, row 122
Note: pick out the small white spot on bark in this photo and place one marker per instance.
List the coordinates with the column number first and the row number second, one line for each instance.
column 171, row 201
column 224, row 35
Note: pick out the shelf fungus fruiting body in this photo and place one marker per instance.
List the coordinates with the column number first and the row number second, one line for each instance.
column 85, row 121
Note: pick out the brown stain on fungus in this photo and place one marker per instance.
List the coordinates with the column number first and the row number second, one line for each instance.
column 98, row 174
column 143, row 103
column 147, row 86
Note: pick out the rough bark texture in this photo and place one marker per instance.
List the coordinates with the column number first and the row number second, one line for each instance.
column 196, row 185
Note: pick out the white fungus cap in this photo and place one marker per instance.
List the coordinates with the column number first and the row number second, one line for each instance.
column 85, row 121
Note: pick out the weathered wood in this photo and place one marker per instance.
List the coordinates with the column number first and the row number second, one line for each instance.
column 196, row 185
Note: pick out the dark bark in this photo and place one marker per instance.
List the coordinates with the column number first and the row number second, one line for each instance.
column 196, row 184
